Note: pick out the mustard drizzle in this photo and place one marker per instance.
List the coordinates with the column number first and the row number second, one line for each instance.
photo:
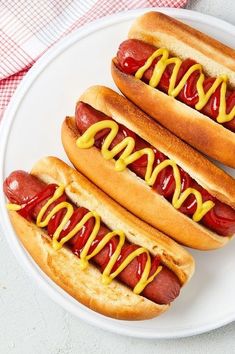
column 107, row 275
column 127, row 145
column 174, row 90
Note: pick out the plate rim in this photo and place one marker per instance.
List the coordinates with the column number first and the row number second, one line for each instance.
column 45, row 283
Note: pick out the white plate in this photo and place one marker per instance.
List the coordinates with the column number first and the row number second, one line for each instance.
column 31, row 129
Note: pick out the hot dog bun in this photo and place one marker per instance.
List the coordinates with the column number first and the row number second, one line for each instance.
column 131, row 191
column 114, row 300
column 187, row 123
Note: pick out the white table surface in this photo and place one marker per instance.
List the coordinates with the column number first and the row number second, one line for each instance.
column 30, row 323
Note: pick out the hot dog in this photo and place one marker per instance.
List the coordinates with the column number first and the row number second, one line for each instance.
column 149, row 171
column 183, row 79
column 91, row 240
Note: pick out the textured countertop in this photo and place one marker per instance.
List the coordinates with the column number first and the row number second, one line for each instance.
column 31, row 323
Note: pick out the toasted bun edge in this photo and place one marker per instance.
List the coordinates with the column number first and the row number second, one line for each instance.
column 140, row 199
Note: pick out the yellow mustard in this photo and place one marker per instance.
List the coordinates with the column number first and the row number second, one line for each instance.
column 175, row 90
column 127, row 145
column 107, row 275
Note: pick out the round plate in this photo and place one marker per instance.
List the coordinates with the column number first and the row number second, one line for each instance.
column 31, row 130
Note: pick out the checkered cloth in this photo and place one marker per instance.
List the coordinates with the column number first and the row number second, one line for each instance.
column 29, row 27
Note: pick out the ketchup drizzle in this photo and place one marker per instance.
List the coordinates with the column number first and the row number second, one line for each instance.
column 188, row 95
column 165, row 182
column 77, row 242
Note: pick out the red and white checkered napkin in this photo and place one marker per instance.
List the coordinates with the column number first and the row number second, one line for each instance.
column 28, row 28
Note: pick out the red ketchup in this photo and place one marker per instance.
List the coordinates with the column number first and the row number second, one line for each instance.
column 32, row 205
column 222, row 223
column 132, row 54
column 221, row 218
